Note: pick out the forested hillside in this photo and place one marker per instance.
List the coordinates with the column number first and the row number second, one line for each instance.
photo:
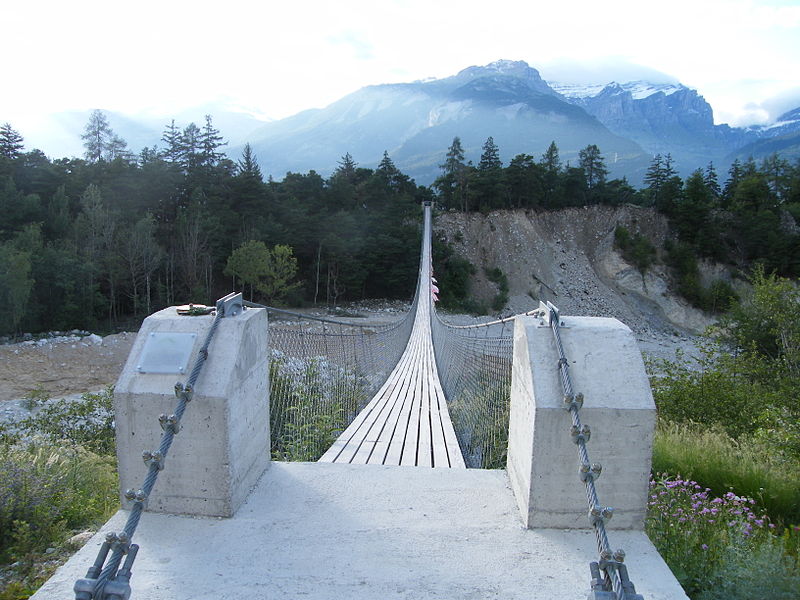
column 98, row 241
column 87, row 242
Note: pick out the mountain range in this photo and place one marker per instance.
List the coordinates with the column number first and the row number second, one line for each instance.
column 508, row 100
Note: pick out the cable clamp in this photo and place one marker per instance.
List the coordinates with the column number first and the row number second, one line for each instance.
column 118, row 541
column 575, row 401
column 580, row 435
column 600, row 515
column 154, row 458
column 136, row 496
column 169, row 423
column 184, row 392
column 590, row 472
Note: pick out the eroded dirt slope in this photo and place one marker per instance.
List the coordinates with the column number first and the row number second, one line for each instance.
column 568, row 257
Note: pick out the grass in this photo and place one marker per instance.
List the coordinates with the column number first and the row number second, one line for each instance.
column 48, row 492
column 723, row 464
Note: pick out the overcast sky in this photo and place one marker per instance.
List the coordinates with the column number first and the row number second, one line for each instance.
column 276, row 59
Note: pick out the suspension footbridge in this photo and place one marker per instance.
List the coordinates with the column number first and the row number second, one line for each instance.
column 498, row 398
column 407, row 422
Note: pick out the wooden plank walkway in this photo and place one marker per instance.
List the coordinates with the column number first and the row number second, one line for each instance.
column 407, row 421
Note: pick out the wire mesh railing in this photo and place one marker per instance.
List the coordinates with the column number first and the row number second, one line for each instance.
column 322, row 373
column 474, row 363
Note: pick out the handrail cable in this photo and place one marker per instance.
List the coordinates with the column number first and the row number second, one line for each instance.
column 614, row 582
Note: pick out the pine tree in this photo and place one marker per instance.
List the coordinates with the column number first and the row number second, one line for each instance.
column 711, row 181
column 190, row 146
column 248, row 165
column 347, row 168
column 210, row 141
column 593, row 165
column 489, row 179
column 452, row 184
column 172, row 138
column 100, row 141
column 735, row 176
column 551, row 160
column 11, row 142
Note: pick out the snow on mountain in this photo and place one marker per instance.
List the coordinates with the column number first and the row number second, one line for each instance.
column 638, row 90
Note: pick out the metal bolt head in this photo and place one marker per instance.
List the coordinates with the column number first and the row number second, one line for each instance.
column 141, row 496
column 597, row 468
column 123, row 537
column 607, row 512
column 130, row 494
column 605, row 555
column 619, row 555
column 111, row 537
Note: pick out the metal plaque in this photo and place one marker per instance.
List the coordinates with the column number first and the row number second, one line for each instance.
column 166, row 352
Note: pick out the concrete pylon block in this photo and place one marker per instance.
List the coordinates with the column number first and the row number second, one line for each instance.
column 605, row 364
column 223, row 445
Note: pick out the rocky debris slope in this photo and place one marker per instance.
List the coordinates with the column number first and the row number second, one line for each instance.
column 568, row 258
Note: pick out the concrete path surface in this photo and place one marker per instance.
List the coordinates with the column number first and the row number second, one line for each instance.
column 338, row 531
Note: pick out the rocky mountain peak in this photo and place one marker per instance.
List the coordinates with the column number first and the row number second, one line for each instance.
column 517, row 69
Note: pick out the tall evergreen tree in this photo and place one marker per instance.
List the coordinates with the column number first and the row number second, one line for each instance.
column 711, row 181
column 99, row 141
column 210, row 141
column 172, row 138
column 11, row 142
column 452, row 184
column 247, row 166
column 347, row 168
column 489, row 177
column 191, row 149
column 593, row 165
column 551, row 163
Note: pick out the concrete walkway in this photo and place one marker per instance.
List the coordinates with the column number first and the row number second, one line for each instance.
column 345, row 532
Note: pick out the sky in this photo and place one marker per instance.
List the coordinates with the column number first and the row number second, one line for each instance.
column 274, row 59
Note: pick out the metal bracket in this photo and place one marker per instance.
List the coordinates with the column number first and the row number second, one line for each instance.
column 548, row 312
column 230, row 305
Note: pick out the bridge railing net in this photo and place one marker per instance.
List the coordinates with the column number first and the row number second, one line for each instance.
column 322, row 373
column 474, row 364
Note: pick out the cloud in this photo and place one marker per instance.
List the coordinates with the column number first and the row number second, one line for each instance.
column 601, row 70
column 782, row 103
column 362, row 48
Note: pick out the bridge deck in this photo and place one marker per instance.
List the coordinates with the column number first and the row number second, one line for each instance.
column 407, row 421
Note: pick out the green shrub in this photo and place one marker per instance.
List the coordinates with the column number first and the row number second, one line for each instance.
column 311, row 402
column 498, row 277
column 636, row 248
column 48, row 490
